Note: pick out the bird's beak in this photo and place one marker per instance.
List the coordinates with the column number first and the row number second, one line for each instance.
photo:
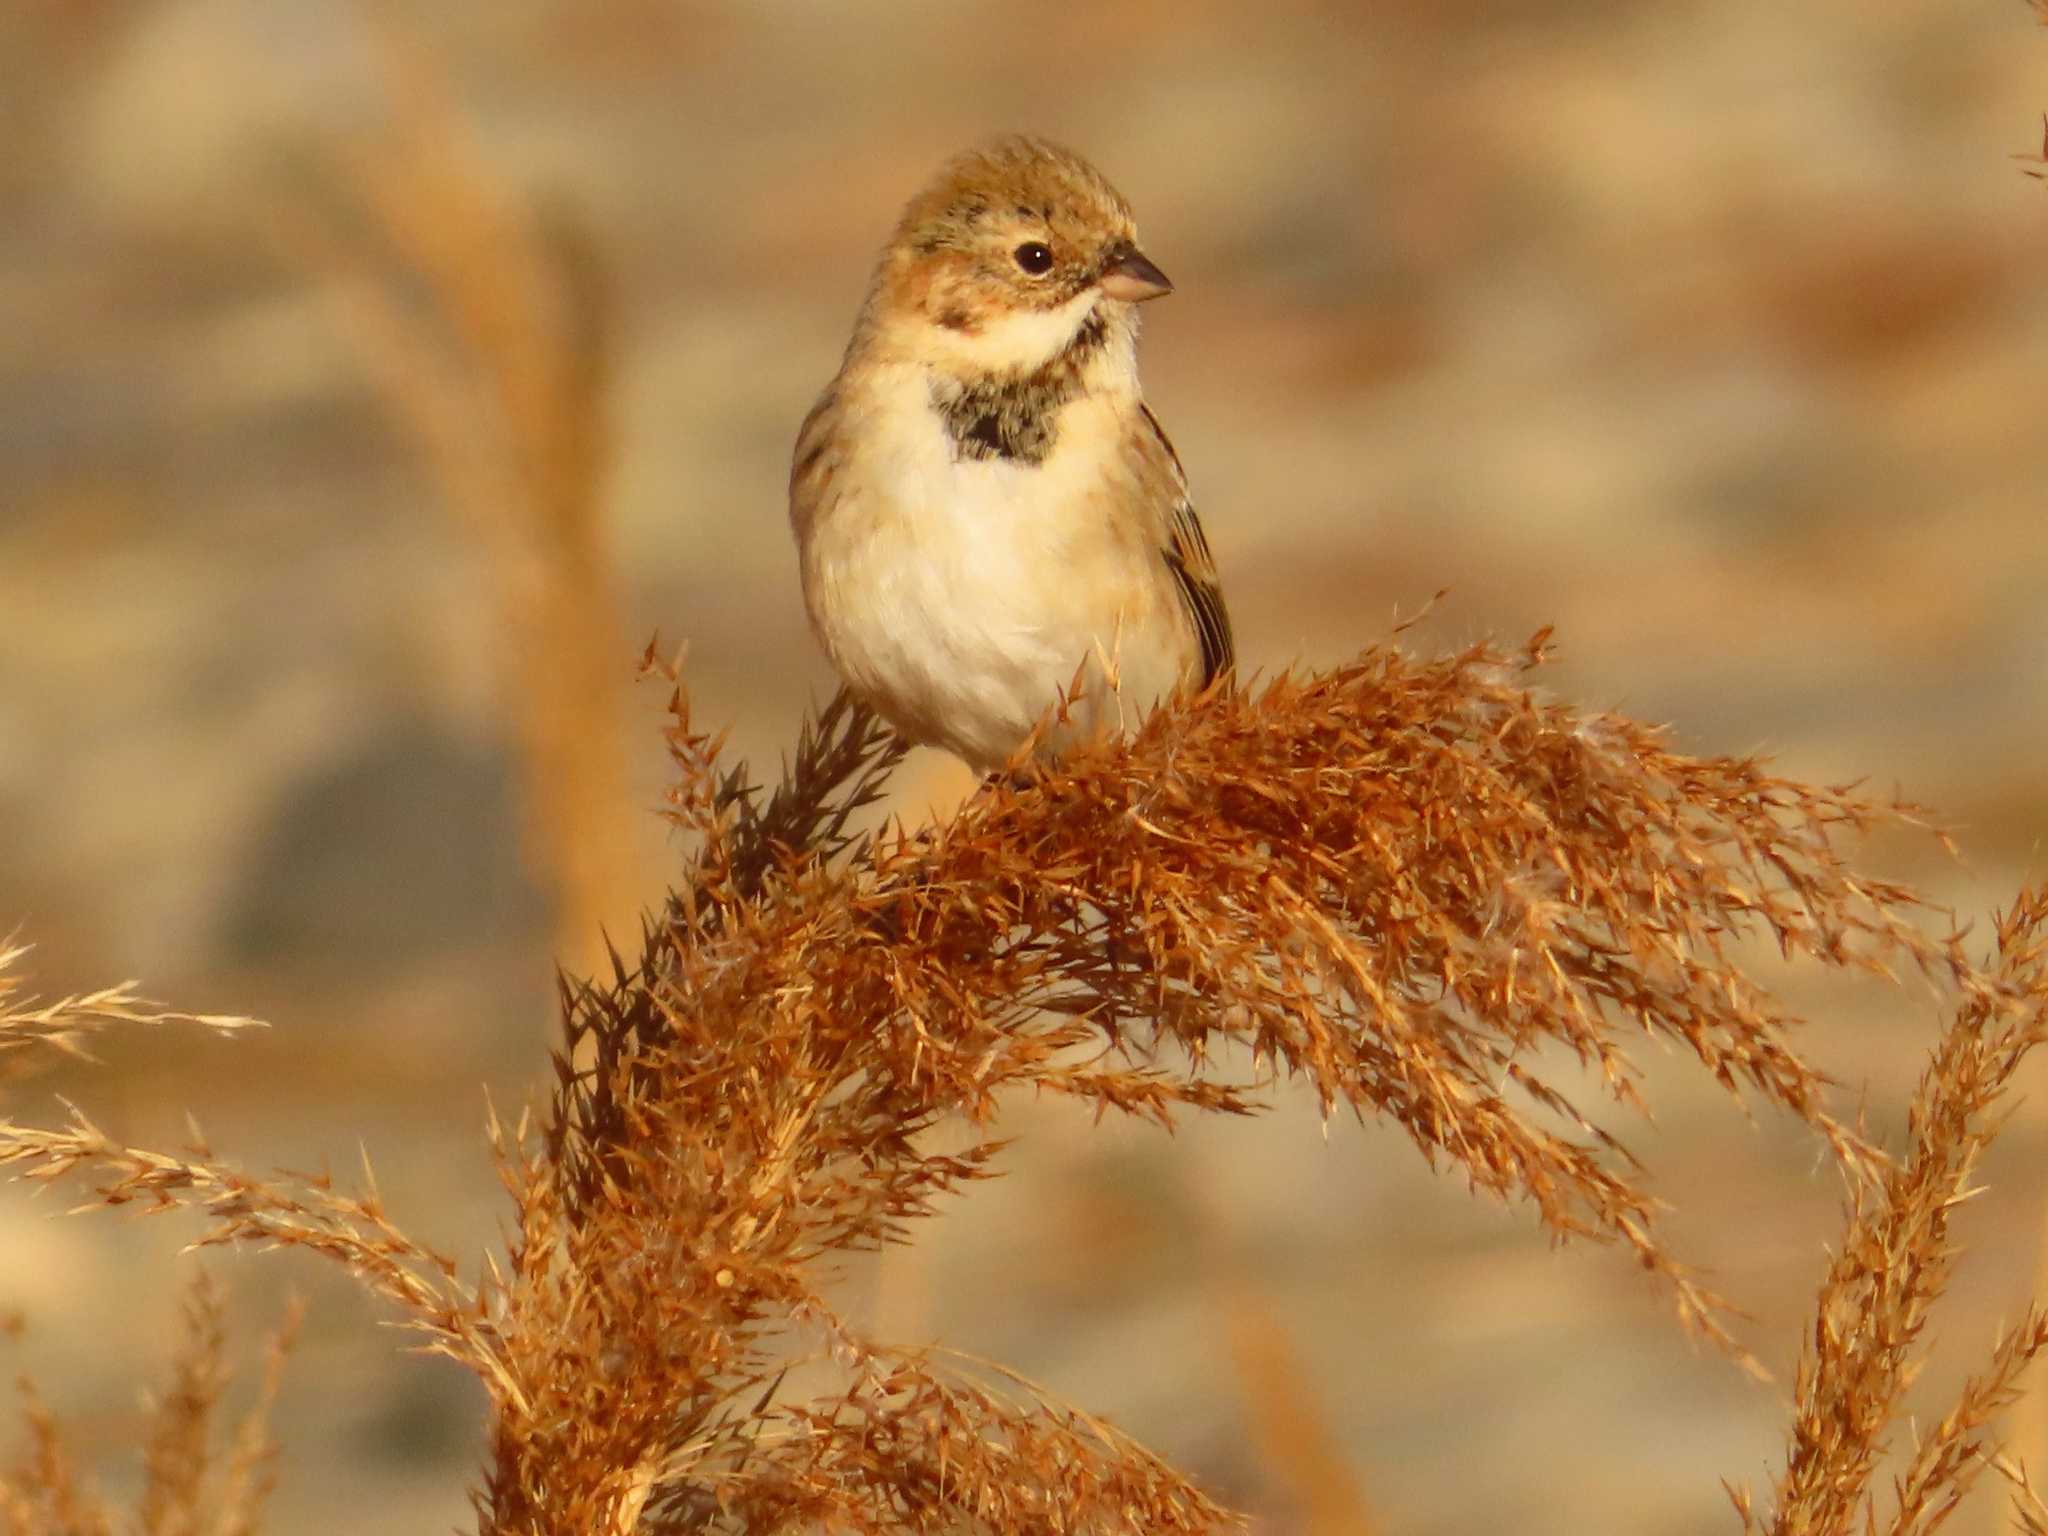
column 1129, row 275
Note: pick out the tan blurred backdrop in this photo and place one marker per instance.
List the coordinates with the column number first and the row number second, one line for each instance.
column 1713, row 333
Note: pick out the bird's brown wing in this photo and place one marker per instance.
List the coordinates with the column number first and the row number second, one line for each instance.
column 1186, row 551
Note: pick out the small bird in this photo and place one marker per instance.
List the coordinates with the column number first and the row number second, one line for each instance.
column 984, row 506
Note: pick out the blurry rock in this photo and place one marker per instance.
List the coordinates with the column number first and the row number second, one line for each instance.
column 406, row 847
column 423, row 1419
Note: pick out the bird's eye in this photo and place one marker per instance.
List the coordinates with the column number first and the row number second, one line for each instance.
column 1033, row 258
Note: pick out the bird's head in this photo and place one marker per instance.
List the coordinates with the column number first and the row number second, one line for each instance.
column 1012, row 256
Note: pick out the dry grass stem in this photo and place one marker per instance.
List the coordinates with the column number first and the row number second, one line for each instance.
column 490, row 336
column 1297, row 1445
column 2029, row 1509
column 192, row 1483
column 29, row 1023
column 295, row 1210
column 1894, row 1263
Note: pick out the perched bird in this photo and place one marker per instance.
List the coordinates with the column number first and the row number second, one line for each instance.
column 984, row 506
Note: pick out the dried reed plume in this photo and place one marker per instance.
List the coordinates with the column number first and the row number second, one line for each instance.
column 1397, row 881
column 1894, row 1262
column 193, row 1484
column 488, row 333
column 29, row 1023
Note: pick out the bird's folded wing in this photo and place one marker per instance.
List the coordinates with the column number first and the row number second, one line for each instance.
column 1186, row 551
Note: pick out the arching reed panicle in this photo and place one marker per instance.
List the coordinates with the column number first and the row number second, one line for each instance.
column 1404, row 882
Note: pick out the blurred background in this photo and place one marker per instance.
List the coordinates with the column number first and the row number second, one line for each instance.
column 372, row 392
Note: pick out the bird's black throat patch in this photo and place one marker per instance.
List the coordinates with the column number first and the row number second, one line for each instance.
column 1015, row 416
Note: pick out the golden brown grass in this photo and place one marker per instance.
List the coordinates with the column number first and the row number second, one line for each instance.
column 488, row 333
column 197, row 1480
column 30, row 1025
column 1894, row 1261
column 192, row 1485
column 1396, row 882
column 1296, row 1445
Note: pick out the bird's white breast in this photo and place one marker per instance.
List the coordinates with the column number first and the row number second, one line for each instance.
column 963, row 594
